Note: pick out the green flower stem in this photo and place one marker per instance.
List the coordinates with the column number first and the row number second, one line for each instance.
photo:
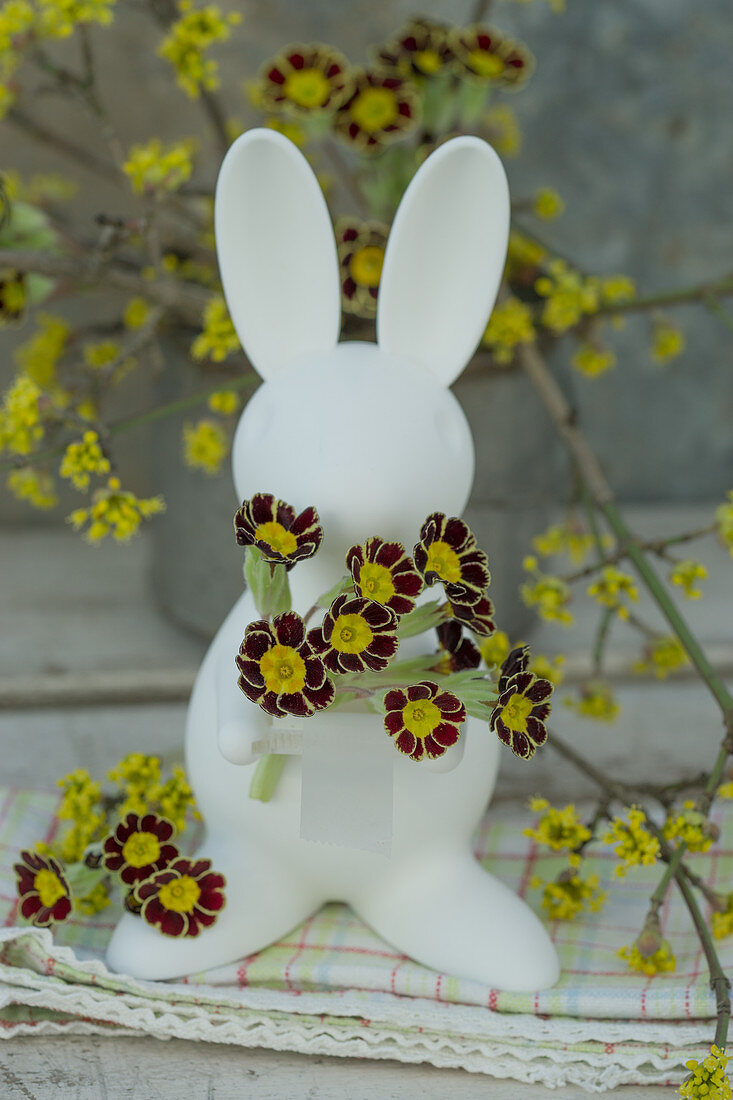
column 266, row 776
column 83, row 879
column 603, row 633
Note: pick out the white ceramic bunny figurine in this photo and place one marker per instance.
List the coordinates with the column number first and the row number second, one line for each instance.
column 372, row 436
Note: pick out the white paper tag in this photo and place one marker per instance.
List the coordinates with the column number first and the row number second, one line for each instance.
column 346, row 793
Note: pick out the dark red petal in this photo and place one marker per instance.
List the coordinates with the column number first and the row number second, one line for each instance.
column 536, row 730
column 251, row 672
column 433, row 748
column 389, row 554
column 542, row 711
column 269, row 703
column 501, row 731
column 295, row 703
column 423, row 690
column 321, row 697
column 445, row 734
column 262, row 508
column 406, row 743
column 354, row 560
column 393, row 722
column 316, row 640
column 275, row 76
column 520, row 682
column 395, row 699
column 383, row 646
column 522, row 746
column 289, row 629
column 540, row 690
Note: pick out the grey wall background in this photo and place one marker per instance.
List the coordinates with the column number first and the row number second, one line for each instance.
column 628, row 116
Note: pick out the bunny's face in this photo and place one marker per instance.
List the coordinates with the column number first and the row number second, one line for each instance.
column 369, row 433
column 365, row 436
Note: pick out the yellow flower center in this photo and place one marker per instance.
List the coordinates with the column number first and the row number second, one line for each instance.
column 307, row 87
column 486, row 64
column 427, row 61
column 366, row 265
column 421, row 717
column 276, row 536
column 374, row 109
column 283, row 669
column 351, row 634
column 443, row 560
column 180, row 895
column 376, row 582
column 140, row 849
column 50, row 888
column 516, row 712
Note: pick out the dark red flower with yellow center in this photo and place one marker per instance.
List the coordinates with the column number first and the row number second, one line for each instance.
column 483, row 54
column 183, row 898
column 45, row 897
column 458, row 652
column 356, row 635
column 422, row 720
column 420, row 49
column 279, row 671
column 381, row 108
column 303, row 79
column 383, row 572
column 361, row 248
column 139, row 846
column 447, row 552
column 477, row 617
column 519, row 716
column 273, row 527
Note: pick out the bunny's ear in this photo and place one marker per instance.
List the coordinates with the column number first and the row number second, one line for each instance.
column 277, row 253
column 445, row 258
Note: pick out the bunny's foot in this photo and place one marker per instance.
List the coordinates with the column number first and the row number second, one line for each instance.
column 451, row 915
column 263, row 902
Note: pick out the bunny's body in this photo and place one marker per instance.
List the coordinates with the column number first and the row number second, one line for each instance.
column 372, row 436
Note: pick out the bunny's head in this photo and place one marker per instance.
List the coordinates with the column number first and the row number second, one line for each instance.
column 369, row 433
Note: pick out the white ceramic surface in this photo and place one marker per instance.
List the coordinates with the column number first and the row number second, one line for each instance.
column 372, row 436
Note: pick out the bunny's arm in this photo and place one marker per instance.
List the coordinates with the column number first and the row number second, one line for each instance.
column 239, row 722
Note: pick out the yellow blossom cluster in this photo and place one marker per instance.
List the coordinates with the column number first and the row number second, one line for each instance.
column 80, row 804
column 569, row 296
column 547, row 669
column 218, row 338
column 503, row 130
column 175, row 797
column 610, row 588
column 135, row 313
column 660, row 962
column 139, row 778
column 188, row 39
column 617, row 289
column 567, row 538
column 708, row 1080
column 205, row 445
column 114, row 512
column 155, row 167
column 635, row 845
column 592, row 359
column 523, row 255
column 559, row 829
column 225, row 402
column 595, row 700
column 668, row 342
column 724, row 520
column 38, row 357
column 495, row 648
column 686, row 574
column 549, row 595
column 722, row 922
column 95, row 901
column 547, row 204
column 690, row 827
column 33, row 486
column 101, row 354
column 20, row 417
column 509, row 325
column 83, row 459
column 662, row 656
column 569, row 895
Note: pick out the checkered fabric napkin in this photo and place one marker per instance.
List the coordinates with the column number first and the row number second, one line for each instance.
column 336, row 955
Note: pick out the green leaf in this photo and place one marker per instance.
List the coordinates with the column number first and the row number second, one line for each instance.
column 268, row 583
column 420, row 619
column 327, row 598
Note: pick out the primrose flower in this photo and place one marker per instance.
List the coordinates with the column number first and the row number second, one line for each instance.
column 569, row 895
column 83, row 459
column 708, row 1080
column 612, row 584
column 182, row 898
column 458, row 652
column 273, row 527
column 595, row 700
column 279, row 671
column 635, row 845
column 518, row 718
column 304, row 79
column 483, row 54
column 138, row 846
column 661, row 656
column 447, row 552
column 660, row 961
column 361, row 248
column 384, row 573
column 380, row 110
column 685, row 575
column 690, row 827
column 559, row 829
column 45, row 897
column 509, row 325
column 422, row 720
column 419, row 49
column 356, row 635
